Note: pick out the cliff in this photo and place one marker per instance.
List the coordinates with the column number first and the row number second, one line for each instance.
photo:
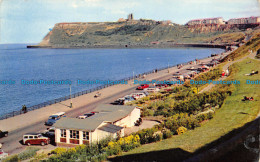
column 139, row 33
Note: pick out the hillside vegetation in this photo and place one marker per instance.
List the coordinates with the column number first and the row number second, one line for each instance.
column 138, row 33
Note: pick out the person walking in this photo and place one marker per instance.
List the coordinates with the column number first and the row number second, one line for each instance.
column 223, row 73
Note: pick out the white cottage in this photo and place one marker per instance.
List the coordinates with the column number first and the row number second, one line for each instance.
column 108, row 121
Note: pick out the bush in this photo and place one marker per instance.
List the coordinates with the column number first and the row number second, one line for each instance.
column 28, row 153
column 146, row 135
column 181, row 130
column 13, row 158
column 167, row 134
column 59, row 151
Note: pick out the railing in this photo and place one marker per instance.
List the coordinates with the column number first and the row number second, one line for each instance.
column 51, row 102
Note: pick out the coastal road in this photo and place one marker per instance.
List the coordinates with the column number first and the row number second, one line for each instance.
column 12, row 145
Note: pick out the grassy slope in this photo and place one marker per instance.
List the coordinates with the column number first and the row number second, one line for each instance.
column 233, row 114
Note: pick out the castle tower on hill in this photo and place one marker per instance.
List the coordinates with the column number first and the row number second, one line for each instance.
column 130, row 17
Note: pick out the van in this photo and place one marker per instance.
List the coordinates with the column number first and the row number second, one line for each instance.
column 54, row 117
column 35, row 139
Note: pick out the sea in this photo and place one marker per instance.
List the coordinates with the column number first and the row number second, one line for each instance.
column 33, row 76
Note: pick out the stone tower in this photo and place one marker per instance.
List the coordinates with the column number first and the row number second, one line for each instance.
column 130, row 17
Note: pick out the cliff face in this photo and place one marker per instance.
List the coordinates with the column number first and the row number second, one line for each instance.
column 133, row 33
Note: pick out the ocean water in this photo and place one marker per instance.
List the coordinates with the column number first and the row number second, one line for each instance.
column 18, row 63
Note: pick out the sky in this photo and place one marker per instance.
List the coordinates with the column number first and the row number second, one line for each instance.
column 28, row 21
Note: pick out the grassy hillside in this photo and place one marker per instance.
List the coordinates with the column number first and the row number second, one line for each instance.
column 232, row 115
column 227, row 122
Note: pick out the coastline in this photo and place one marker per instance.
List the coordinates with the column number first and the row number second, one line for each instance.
column 168, row 45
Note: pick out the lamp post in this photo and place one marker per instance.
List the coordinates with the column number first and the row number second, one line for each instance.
column 168, row 66
column 70, row 98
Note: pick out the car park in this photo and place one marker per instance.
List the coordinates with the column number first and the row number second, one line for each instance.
column 3, row 134
column 54, row 117
column 142, row 86
column 35, row 139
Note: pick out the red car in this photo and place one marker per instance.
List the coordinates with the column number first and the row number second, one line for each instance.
column 35, row 139
column 143, row 86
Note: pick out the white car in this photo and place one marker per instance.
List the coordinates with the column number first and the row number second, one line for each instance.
column 3, row 154
column 152, row 90
column 138, row 95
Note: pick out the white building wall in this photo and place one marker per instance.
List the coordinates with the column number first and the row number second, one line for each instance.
column 57, row 135
column 67, row 136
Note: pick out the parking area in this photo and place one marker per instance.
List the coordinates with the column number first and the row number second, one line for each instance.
column 145, row 124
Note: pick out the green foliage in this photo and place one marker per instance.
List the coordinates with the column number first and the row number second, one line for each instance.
column 181, row 120
column 28, row 153
column 167, row 134
column 13, row 158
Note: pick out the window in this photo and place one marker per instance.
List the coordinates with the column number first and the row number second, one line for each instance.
column 85, row 135
column 35, row 136
column 63, row 132
column 25, row 136
column 74, row 134
column 31, row 137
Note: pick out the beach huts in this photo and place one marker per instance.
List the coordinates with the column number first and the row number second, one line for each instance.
column 108, row 121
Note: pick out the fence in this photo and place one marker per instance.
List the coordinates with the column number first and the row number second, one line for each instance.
column 47, row 103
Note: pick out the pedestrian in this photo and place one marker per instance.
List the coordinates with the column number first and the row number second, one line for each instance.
column 227, row 72
column 223, row 73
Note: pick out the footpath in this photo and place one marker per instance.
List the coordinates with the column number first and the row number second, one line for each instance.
column 225, row 67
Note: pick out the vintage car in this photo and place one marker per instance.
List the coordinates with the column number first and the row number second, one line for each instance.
column 35, row 139
column 3, row 134
column 54, row 117
column 84, row 116
column 142, row 86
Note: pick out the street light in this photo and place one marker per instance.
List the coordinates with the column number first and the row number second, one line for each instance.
column 70, row 98
column 168, row 66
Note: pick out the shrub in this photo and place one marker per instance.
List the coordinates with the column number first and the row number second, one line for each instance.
column 167, row 134
column 181, row 130
column 59, row 151
column 28, row 153
column 13, row 158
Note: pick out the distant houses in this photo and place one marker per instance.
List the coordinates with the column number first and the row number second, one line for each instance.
column 108, row 121
column 219, row 20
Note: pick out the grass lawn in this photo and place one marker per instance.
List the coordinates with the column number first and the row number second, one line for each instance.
column 233, row 114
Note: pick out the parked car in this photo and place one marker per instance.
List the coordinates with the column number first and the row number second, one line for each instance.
column 161, row 85
column 35, row 139
column 138, row 95
column 119, row 101
column 128, row 98
column 152, row 90
column 145, row 92
column 142, row 86
column 54, row 117
column 3, row 134
column 84, row 116
column 3, row 154
column 50, row 132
